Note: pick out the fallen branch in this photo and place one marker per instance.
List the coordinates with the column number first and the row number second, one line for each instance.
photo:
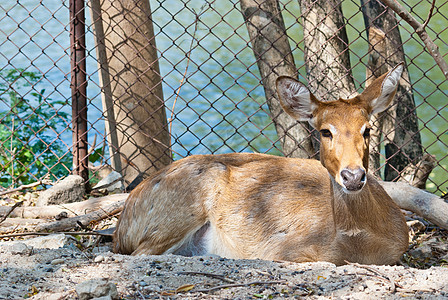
column 74, row 233
column 416, row 175
column 225, row 286
column 11, row 209
column 381, row 275
column 26, row 186
column 70, row 223
column 15, row 225
column 427, row 205
column 217, row 276
column 420, row 30
column 72, row 209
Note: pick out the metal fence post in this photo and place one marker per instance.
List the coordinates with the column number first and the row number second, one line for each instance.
column 79, row 88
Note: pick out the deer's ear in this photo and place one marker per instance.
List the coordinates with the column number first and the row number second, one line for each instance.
column 380, row 94
column 296, row 99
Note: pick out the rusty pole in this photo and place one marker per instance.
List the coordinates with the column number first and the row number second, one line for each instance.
column 79, row 88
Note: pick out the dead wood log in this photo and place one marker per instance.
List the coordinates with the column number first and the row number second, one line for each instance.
column 70, row 223
column 19, row 225
column 416, row 175
column 427, row 205
column 72, row 209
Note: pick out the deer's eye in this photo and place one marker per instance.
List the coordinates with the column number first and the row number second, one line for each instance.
column 326, row 133
column 366, row 133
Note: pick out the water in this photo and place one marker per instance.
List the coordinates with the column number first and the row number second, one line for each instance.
column 220, row 107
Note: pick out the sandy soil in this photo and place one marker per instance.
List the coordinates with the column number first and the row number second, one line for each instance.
column 34, row 273
column 30, row 271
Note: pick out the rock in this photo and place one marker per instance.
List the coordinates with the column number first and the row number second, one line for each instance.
column 415, row 226
column 17, row 248
column 424, row 251
column 57, row 261
column 103, row 298
column 96, row 288
column 99, row 258
column 71, row 189
column 52, row 241
column 110, row 183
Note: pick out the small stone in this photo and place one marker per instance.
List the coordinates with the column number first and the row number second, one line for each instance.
column 57, row 261
column 142, row 283
column 17, row 248
column 103, row 298
column 52, row 241
column 99, row 258
column 71, row 189
column 96, row 288
column 110, row 183
column 424, row 251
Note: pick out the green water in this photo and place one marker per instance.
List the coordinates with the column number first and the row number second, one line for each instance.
column 221, row 43
column 221, row 105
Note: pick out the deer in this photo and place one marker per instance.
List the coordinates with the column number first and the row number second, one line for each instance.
column 260, row 206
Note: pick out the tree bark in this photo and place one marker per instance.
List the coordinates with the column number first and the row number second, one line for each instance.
column 271, row 47
column 400, row 126
column 375, row 68
column 326, row 49
column 427, row 205
column 326, row 52
column 106, row 88
column 72, row 209
column 95, row 216
column 143, row 136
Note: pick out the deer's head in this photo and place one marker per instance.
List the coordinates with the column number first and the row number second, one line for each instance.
column 343, row 124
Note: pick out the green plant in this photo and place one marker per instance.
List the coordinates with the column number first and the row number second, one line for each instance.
column 29, row 124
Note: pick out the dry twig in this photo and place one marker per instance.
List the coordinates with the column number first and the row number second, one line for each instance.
column 225, row 286
column 26, row 186
column 10, row 211
column 3, row 236
column 420, row 30
column 381, row 275
column 217, row 276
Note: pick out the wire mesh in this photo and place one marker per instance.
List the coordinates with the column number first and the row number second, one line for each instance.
column 212, row 94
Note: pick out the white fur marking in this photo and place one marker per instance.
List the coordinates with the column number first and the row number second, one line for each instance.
column 363, row 128
column 297, row 90
column 392, row 80
column 333, row 129
column 389, row 85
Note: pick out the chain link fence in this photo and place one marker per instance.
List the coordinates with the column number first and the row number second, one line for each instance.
column 209, row 96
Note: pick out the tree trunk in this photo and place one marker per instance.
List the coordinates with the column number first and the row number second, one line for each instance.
column 270, row 44
column 106, row 89
column 375, row 68
column 143, row 136
column 326, row 52
column 400, row 127
column 326, row 49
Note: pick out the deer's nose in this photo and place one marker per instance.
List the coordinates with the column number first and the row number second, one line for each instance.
column 353, row 180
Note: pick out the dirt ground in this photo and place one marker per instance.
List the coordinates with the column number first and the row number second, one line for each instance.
column 34, row 273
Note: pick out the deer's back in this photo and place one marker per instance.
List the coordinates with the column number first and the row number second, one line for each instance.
column 247, row 199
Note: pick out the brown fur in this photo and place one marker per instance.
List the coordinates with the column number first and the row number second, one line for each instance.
column 262, row 206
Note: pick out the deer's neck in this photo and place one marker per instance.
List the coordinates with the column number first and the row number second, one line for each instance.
column 354, row 212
